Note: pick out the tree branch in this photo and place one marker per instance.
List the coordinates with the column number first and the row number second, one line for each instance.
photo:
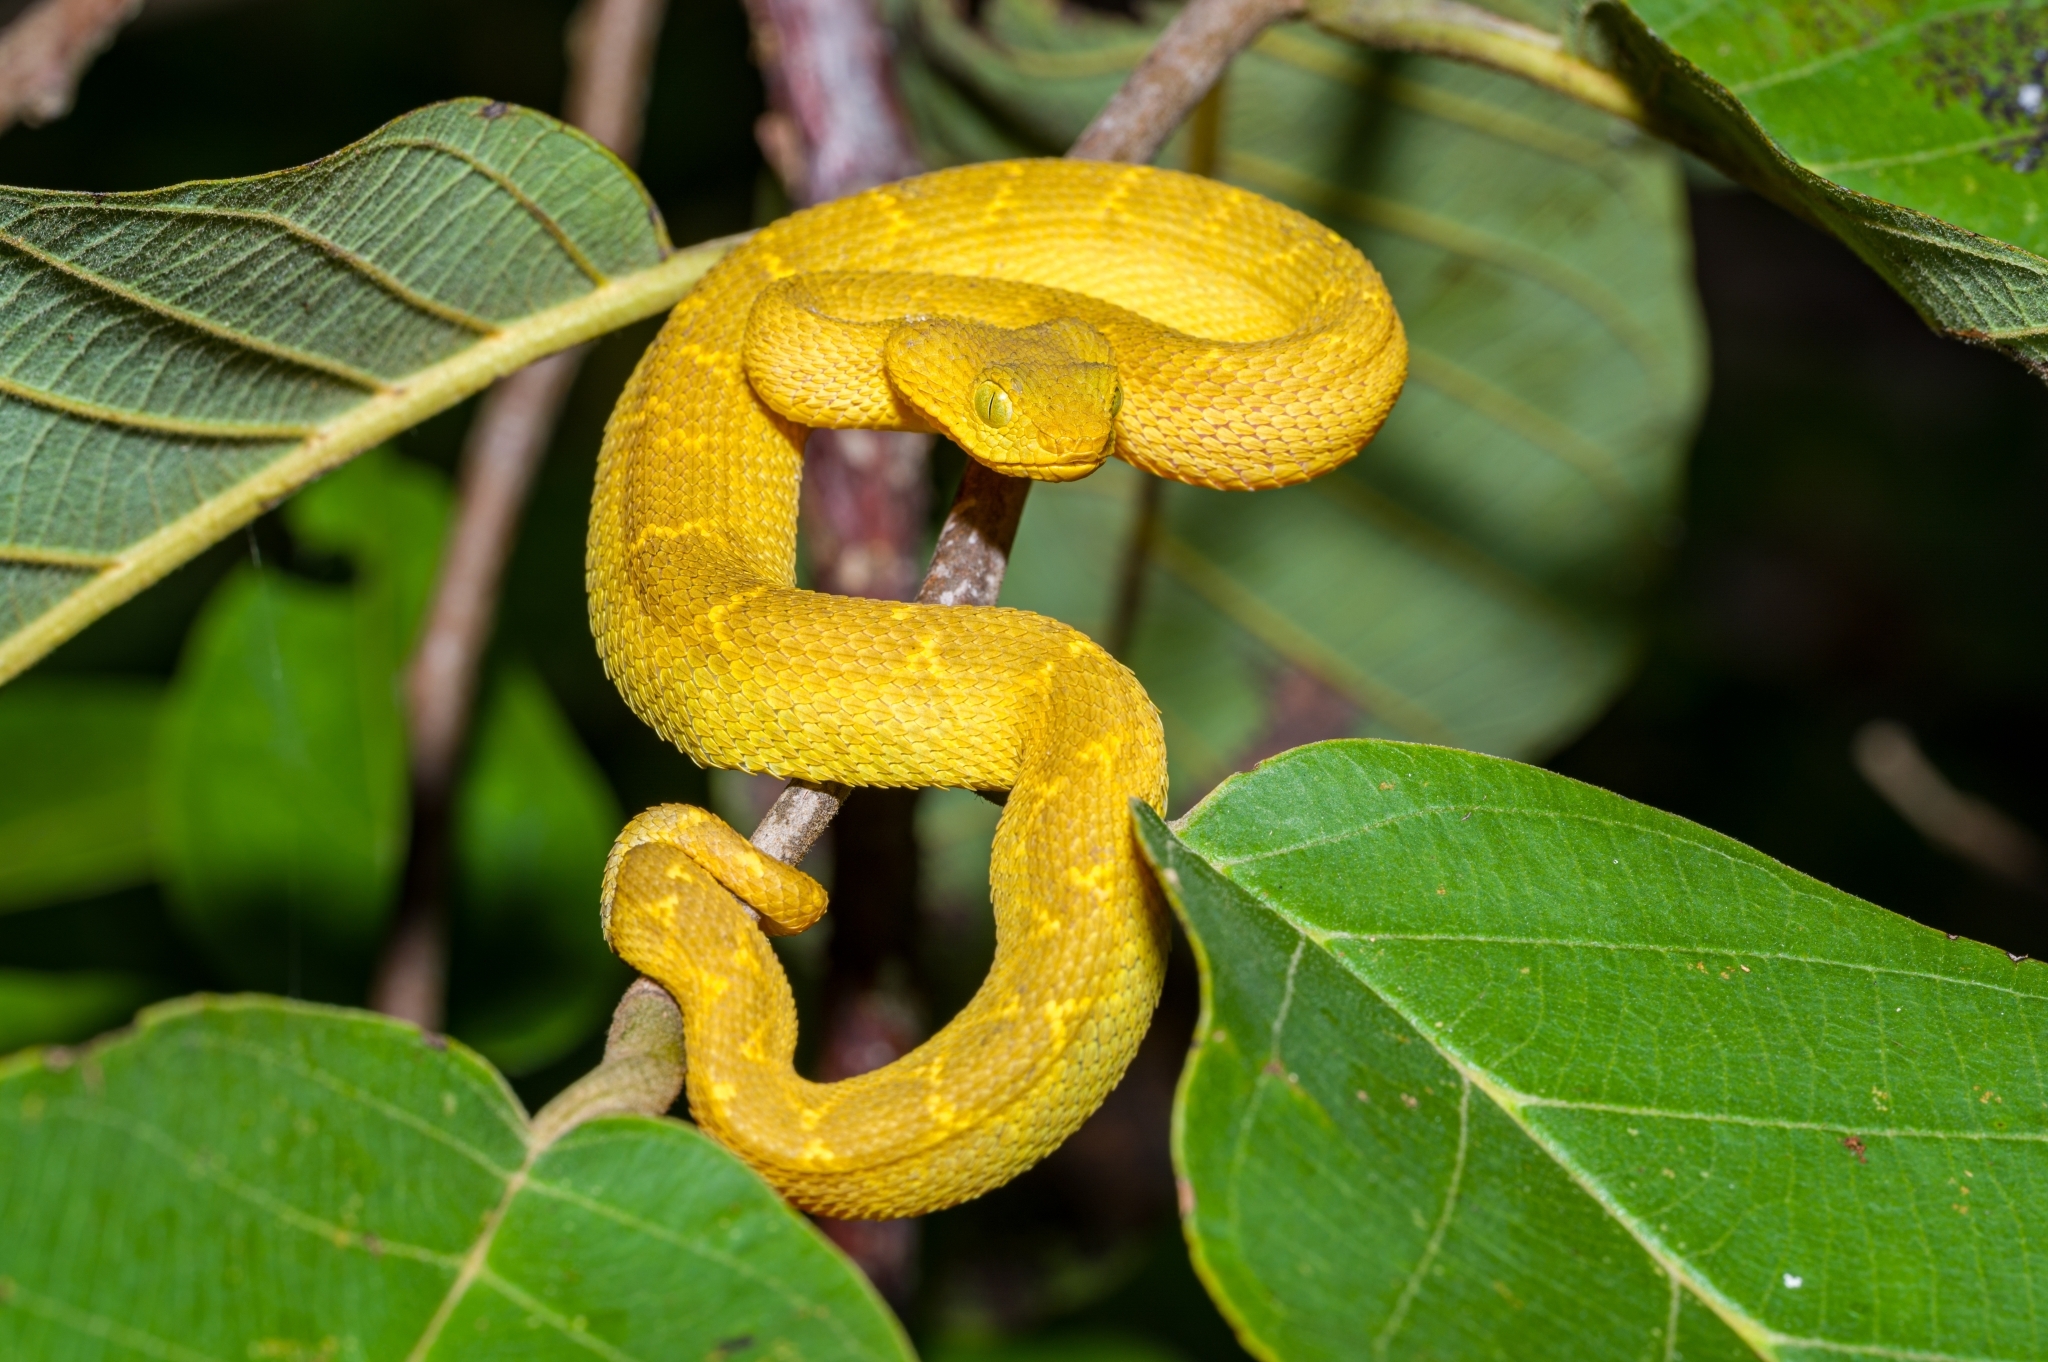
column 611, row 46
column 1182, row 67
column 45, row 51
column 833, row 126
column 642, row 1072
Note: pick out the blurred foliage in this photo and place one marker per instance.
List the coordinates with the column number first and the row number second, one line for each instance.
column 1863, row 541
column 281, row 773
column 83, row 825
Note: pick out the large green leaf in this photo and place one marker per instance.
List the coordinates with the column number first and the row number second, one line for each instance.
column 180, row 359
column 281, row 777
column 75, row 817
column 246, row 1178
column 1912, row 130
column 1471, row 577
column 534, row 820
column 1494, row 1064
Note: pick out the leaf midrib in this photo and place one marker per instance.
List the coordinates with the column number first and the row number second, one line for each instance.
column 1861, row 47
column 1765, row 1340
column 378, row 416
column 1224, row 864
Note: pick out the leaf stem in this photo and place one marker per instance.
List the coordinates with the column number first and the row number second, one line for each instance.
column 1465, row 32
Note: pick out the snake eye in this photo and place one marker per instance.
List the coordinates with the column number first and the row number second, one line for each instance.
column 991, row 403
column 1116, row 401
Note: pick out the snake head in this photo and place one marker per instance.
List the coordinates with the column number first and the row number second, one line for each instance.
column 1034, row 402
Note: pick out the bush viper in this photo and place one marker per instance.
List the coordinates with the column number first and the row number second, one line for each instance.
column 1043, row 315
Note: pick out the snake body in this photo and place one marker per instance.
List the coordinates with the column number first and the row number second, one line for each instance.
column 1043, row 314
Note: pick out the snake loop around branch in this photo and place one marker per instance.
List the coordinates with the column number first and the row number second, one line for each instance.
column 1044, row 315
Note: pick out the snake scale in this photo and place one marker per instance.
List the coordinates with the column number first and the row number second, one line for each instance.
column 1043, row 315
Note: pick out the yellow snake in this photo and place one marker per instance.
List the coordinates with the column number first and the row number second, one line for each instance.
column 1043, row 315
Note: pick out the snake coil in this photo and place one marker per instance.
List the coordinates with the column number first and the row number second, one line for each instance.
column 1043, row 315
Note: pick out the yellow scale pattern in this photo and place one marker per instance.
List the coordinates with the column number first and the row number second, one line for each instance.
column 1043, row 314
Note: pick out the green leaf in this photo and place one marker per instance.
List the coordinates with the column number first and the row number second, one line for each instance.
column 281, row 778
column 184, row 358
column 534, row 820
column 1472, row 577
column 1910, row 131
column 75, row 817
column 1492, row 1063
column 38, row 1007
column 247, row 1178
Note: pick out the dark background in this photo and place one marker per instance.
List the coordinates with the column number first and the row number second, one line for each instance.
column 1863, row 540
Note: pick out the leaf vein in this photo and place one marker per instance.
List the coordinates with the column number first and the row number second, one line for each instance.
column 304, row 359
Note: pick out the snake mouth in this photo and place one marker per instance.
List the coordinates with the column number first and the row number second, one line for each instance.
column 1062, row 461
column 1071, row 468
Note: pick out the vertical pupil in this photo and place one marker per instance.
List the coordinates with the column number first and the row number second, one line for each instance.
column 991, row 404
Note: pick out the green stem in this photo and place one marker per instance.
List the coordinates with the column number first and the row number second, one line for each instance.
column 642, row 1072
column 1465, row 32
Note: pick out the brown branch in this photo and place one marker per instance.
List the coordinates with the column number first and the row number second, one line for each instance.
column 834, row 126
column 1182, row 67
column 45, row 51
column 611, row 53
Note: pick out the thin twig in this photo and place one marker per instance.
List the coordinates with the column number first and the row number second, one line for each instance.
column 611, row 53
column 1465, row 32
column 45, row 51
column 1963, row 825
column 611, row 61
column 1175, row 76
